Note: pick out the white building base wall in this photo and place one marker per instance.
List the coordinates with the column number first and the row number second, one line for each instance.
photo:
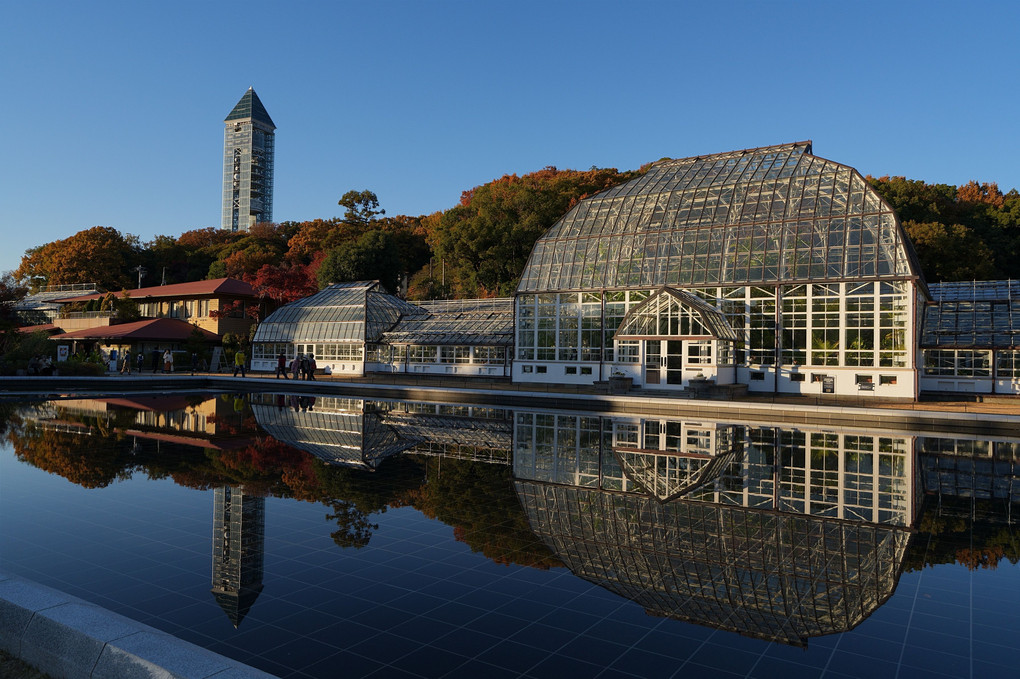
column 558, row 372
column 970, row 385
column 350, row 368
column 458, row 369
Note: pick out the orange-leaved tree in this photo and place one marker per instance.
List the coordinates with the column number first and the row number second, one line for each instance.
column 100, row 255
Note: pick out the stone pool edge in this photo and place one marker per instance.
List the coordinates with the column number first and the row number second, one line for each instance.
column 64, row 636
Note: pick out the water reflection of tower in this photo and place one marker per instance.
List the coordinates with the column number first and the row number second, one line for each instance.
column 239, row 527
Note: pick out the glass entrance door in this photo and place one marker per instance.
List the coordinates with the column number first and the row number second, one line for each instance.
column 673, row 360
column 653, row 361
column 664, row 362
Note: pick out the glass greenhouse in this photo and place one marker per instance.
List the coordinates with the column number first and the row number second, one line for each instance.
column 333, row 325
column 970, row 338
column 768, row 267
column 351, row 328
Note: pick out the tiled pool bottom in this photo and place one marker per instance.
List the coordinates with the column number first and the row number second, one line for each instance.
column 416, row 602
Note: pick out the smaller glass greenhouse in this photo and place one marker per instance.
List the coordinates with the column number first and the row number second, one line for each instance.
column 353, row 328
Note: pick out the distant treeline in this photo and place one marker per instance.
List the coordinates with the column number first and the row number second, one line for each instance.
column 479, row 247
column 961, row 233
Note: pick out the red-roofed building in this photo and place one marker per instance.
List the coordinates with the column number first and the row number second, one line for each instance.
column 173, row 316
column 193, row 302
column 150, row 337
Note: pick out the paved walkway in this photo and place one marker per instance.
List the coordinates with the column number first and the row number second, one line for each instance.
column 977, row 403
column 974, row 404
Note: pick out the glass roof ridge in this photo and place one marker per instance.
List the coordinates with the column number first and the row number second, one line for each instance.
column 803, row 147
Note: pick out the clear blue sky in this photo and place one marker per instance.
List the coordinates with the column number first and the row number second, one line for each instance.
column 111, row 112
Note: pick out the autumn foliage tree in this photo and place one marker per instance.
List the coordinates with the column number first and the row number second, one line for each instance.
column 962, row 232
column 374, row 256
column 100, row 255
column 486, row 240
column 284, row 283
column 950, row 252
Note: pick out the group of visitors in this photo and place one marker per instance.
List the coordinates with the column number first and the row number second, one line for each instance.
column 302, row 366
column 162, row 361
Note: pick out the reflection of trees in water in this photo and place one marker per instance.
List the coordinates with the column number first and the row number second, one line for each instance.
column 480, row 502
column 9, row 416
column 353, row 526
column 476, row 499
column 106, row 458
column 968, row 531
column 354, row 495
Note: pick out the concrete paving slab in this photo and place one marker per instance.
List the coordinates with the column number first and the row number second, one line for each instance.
column 154, row 654
column 67, row 640
column 66, row 637
column 20, row 600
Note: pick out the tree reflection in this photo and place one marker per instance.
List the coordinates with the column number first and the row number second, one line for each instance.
column 480, row 501
column 353, row 527
column 476, row 499
column 967, row 531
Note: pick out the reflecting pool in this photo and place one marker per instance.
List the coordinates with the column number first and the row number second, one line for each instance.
column 321, row 537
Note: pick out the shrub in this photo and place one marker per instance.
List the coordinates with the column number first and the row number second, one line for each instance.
column 75, row 367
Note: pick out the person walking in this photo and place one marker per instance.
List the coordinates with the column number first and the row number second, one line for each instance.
column 168, row 361
column 126, row 365
column 239, row 362
column 295, row 366
column 281, row 365
column 141, row 360
column 310, row 375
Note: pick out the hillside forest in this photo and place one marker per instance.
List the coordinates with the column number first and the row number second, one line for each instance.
column 479, row 247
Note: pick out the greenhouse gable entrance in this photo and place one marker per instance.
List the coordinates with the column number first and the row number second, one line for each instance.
column 681, row 338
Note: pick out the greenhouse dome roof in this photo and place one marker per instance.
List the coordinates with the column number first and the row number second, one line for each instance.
column 346, row 312
column 763, row 215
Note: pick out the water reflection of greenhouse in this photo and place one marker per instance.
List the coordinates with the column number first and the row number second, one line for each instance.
column 780, row 534
column 359, row 433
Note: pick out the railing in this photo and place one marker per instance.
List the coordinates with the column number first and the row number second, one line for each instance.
column 499, row 304
column 72, row 287
column 88, row 314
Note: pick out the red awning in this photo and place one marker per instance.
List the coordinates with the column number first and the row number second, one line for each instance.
column 155, row 329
